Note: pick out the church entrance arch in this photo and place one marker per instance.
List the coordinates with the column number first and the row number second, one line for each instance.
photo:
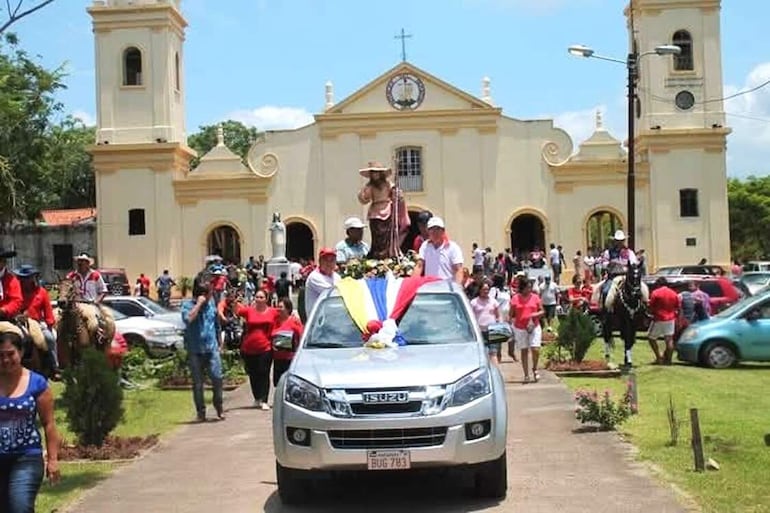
column 299, row 241
column 225, row 241
column 527, row 233
column 600, row 228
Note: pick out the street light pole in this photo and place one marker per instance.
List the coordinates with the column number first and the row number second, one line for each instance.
column 631, row 65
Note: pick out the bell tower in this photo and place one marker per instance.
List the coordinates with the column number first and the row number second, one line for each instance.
column 139, row 71
column 680, row 131
column 685, row 90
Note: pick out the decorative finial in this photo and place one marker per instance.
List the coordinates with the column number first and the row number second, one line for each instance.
column 403, row 37
column 599, row 121
column 486, row 94
column 220, row 135
column 329, row 94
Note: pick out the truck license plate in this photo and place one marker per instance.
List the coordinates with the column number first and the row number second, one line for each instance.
column 388, row 460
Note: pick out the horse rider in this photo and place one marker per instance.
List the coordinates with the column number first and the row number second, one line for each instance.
column 10, row 289
column 89, row 282
column 619, row 252
column 37, row 306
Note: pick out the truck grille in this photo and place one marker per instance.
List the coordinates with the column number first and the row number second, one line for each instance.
column 387, row 438
column 381, row 409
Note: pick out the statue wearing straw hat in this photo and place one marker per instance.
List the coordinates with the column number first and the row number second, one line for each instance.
column 388, row 217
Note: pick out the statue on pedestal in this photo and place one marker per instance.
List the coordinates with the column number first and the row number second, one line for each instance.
column 388, row 217
column 278, row 238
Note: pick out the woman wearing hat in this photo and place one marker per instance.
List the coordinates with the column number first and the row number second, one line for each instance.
column 385, row 201
column 10, row 288
column 37, row 306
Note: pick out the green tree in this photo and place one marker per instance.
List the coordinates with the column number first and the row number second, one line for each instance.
column 238, row 137
column 749, row 204
column 14, row 13
column 27, row 104
column 68, row 164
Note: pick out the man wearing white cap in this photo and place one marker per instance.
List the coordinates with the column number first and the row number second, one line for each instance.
column 618, row 253
column 352, row 246
column 439, row 256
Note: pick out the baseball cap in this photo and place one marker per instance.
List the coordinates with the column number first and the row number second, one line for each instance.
column 435, row 222
column 354, row 222
column 327, row 252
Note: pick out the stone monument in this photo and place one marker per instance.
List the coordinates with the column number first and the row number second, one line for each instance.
column 278, row 262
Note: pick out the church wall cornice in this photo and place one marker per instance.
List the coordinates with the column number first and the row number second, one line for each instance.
column 589, row 173
column 331, row 125
column 160, row 157
column 711, row 140
column 192, row 189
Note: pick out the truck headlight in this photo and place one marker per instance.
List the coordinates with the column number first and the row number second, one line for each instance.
column 471, row 387
column 299, row 392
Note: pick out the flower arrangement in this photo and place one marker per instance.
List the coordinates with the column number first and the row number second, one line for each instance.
column 401, row 267
column 603, row 410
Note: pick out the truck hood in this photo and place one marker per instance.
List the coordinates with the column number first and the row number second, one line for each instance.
column 362, row 367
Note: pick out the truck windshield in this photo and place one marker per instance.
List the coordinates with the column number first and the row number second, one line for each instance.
column 430, row 319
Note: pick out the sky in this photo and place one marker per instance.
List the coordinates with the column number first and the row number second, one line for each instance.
column 265, row 62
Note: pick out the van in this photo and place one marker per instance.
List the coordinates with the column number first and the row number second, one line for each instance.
column 757, row 265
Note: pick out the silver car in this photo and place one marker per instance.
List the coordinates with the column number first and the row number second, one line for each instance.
column 435, row 402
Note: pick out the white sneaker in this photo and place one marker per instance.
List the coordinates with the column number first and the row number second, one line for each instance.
column 265, row 406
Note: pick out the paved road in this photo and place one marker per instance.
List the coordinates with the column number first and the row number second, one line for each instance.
column 229, row 467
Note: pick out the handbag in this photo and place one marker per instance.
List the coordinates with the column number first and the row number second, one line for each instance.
column 283, row 341
column 498, row 332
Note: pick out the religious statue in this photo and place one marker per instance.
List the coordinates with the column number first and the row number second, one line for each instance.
column 388, row 217
column 278, row 238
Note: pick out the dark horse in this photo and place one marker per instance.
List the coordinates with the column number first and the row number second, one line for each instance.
column 625, row 305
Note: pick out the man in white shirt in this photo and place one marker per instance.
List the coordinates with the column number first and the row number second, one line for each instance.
column 321, row 278
column 549, row 296
column 478, row 259
column 619, row 254
column 352, row 246
column 440, row 256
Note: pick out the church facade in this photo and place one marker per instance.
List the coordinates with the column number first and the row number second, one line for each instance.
column 496, row 180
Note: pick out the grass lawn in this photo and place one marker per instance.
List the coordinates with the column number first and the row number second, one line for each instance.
column 146, row 412
column 734, row 411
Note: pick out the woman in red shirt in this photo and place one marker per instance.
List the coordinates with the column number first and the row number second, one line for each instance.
column 286, row 334
column 256, row 347
column 526, row 311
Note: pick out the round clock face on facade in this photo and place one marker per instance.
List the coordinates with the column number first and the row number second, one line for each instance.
column 685, row 100
column 405, row 92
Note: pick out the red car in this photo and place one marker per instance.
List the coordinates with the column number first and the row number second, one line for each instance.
column 722, row 293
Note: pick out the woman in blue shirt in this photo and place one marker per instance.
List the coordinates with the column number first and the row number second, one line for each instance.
column 24, row 396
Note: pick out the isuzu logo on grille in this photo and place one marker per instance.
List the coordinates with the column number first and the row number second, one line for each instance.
column 385, row 397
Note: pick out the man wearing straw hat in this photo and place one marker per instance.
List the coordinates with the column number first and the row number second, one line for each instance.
column 88, row 281
column 388, row 218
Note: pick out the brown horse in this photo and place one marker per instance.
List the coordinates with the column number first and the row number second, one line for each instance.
column 80, row 324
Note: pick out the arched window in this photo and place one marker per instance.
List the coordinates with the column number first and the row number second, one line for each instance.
column 683, row 61
column 409, row 168
column 177, row 81
column 132, row 67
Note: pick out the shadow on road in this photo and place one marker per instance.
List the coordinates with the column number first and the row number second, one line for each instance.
column 424, row 493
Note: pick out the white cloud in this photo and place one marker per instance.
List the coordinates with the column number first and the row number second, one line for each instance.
column 270, row 117
column 748, row 147
column 87, row 118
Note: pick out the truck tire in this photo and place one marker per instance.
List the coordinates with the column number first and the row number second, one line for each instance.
column 491, row 479
column 292, row 489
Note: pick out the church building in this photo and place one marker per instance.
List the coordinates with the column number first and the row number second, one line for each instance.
column 495, row 179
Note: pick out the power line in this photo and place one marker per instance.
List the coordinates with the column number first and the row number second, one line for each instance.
column 739, row 93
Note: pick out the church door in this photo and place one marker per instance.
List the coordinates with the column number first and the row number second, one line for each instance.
column 600, row 228
column 527, row 232
column 299, row 241
column 225, row 242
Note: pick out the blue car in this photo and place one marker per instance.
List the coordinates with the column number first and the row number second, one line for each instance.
column 739, row 333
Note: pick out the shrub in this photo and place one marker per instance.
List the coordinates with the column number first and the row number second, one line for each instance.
column 603, row 410
column 576, row 334
column 92, row 398
column 185, row 285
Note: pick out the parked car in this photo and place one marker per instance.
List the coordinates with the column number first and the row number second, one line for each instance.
column 116, row 280
column 755, row 280
column 140, row 306
column 435, row 402
column 739, row 333
column 157, row 337
column 757, row 266
column 721, row 290
column 679, row 270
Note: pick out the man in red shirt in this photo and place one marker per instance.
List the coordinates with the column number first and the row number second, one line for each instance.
column 664, row 307
column 36, row 305
column 10, row 288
